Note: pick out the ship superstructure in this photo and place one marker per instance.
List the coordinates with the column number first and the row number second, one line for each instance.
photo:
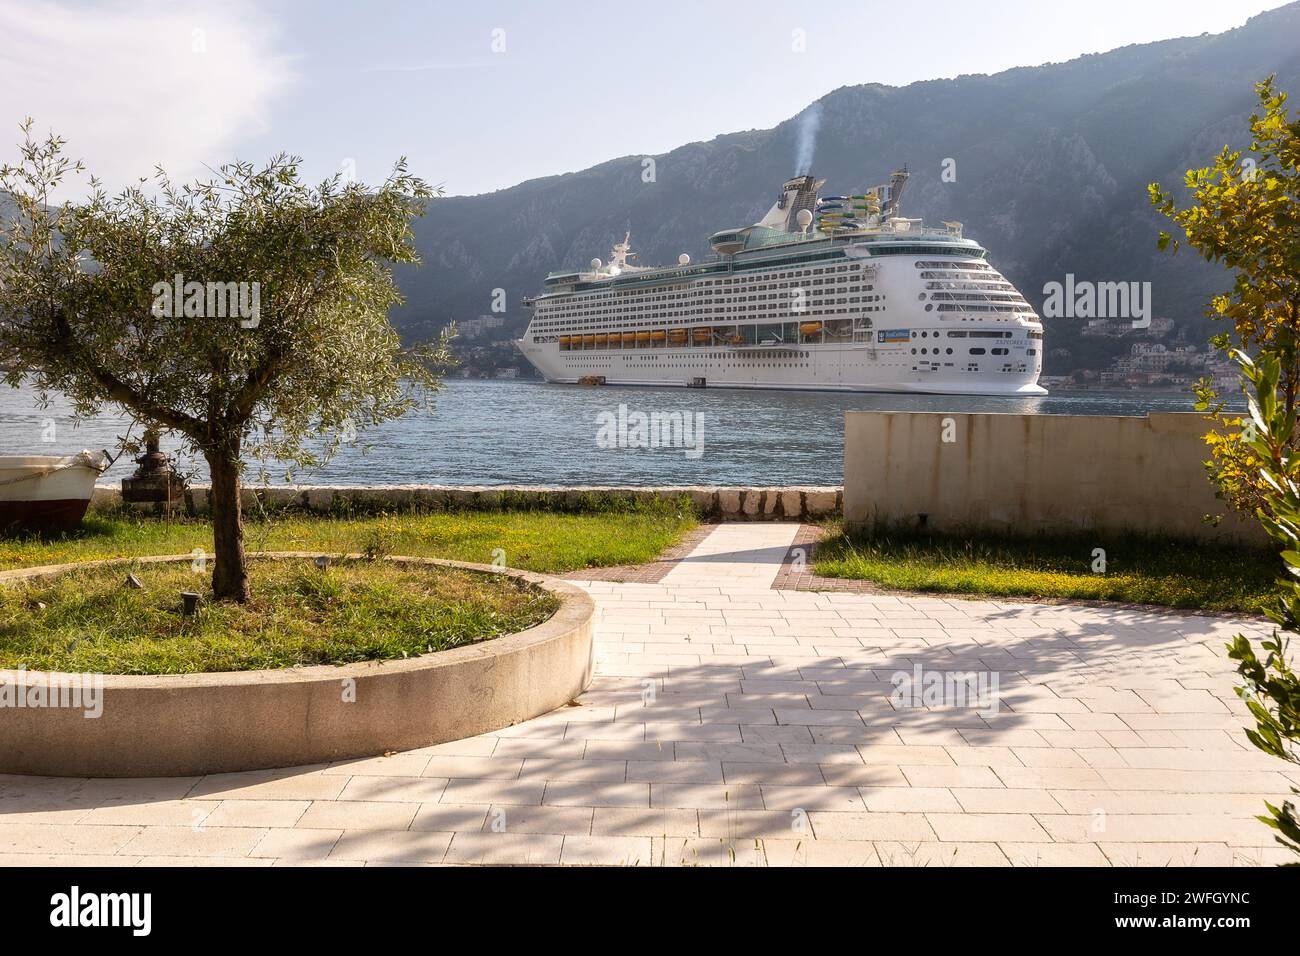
column 835, row 292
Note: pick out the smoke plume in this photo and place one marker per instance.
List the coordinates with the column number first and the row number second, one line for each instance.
column 809, row 123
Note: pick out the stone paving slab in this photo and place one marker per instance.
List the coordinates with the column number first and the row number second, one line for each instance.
column 732, row 723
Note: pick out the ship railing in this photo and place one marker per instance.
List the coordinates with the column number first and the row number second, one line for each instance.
column 914, row 229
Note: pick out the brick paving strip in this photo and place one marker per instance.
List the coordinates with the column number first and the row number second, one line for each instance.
column 733, row 723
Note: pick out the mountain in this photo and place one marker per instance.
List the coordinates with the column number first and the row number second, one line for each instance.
column 1051, row 162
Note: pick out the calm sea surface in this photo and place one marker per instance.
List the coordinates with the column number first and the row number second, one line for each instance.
column 511, row 432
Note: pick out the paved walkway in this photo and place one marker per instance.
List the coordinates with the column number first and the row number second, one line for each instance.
column 734, row 724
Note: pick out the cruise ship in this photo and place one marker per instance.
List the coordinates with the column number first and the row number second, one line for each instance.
column 838, row 292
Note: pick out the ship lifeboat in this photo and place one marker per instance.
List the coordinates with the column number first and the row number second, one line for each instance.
column 566, row 339
column 643, row 336
column 810, row 328
column 677, row 335
column 46, row 492
column 602, row 339
column 589, row 340
column 657, row 335
column 702, row 335
column 629, row 338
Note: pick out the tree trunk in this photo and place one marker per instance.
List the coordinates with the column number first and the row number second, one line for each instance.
column 230, row 576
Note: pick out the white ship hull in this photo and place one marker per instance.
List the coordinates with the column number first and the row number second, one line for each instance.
column 811, row 368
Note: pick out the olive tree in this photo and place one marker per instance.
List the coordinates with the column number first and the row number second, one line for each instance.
column 247, row 312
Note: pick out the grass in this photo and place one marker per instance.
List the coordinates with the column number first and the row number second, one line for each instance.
column 547, row 542
column 90, row 620
column 1138, row 570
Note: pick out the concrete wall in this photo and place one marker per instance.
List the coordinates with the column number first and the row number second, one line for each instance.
column 733, row 503
column 1029, row 473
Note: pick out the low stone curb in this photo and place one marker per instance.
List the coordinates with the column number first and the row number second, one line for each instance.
column 191, row 724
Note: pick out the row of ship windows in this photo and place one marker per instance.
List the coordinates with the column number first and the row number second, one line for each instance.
column 713, row 286
column 813, row 307
column 974, row 265
column 963, row 333
column 975, row 351
column 727, row 295
column 971, row 297
column 765, row 334
column 760, row 295
column 730, row 364
column 588, row 305
column 981, row 286
column 981, row 277
column 1007, row 309
column 1007, row 367
column 661, row 359
column 740, row 280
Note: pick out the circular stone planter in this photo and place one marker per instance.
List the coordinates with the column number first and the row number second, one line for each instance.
column 190, row 724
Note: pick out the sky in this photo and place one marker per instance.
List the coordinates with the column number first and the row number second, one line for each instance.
column 480, row 96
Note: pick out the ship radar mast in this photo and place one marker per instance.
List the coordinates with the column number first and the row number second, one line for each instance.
column 621, row 253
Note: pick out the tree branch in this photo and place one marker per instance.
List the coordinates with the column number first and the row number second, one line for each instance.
column 120, row 391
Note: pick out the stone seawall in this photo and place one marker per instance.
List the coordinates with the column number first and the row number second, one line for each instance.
column 732, row 503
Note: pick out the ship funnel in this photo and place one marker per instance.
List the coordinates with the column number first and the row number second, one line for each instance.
column 797, row 194
column 897, row 183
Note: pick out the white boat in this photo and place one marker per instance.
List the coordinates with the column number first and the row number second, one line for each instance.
column 47, row 492
column 878, row 303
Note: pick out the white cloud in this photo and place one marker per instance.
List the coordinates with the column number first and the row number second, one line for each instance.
column 133, row 85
